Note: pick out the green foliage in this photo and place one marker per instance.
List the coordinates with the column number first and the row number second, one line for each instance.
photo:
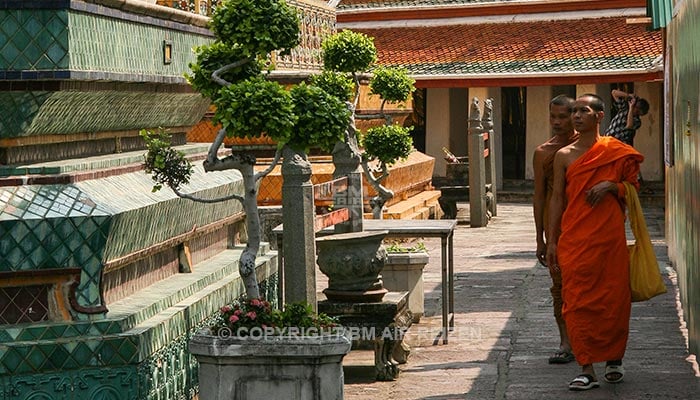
column 348, row 51
column 257, row 26
column 256, row 106
column 302, row 315
column 398, row 247
column 387, row 143
column 335, row 83
column 166, row 165
column 322, row 118
column 214, row 56
column 243, row 316
column 392, row 84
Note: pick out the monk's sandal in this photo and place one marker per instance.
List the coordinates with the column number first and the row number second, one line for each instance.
column 583, row 382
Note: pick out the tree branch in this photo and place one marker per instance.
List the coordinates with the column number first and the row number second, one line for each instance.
column 208, row 201
column 214, row 148
column 215, row 76
column 262, row 174
column 375, row 182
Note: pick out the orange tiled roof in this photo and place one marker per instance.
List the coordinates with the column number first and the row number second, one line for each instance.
column 601, row 45
column 367, row 4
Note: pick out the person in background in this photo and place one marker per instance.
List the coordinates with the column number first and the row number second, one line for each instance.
column 625, row 123
column 562, row 127
column 588, row 243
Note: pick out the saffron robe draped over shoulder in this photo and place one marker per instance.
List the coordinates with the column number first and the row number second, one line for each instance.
column 592, row 253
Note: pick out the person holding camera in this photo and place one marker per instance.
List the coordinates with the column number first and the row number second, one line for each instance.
column 625, row 123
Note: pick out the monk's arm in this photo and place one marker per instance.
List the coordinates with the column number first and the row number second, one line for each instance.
column 556, row 209
column 630, row 174
column 538, row 204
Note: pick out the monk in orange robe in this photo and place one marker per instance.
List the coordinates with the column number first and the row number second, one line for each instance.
column 588, row 245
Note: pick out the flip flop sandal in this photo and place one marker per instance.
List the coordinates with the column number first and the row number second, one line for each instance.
column 583, row 382
column 562, row 357
column 614, row 373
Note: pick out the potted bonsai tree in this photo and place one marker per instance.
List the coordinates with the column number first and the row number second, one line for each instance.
column 231, row 71
column 347, row 58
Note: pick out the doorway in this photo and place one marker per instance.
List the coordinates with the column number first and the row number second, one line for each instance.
column 513, row 101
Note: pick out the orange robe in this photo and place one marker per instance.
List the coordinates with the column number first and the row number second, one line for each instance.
column 593, row 256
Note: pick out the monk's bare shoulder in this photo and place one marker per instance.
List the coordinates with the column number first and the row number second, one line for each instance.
column 566, row 155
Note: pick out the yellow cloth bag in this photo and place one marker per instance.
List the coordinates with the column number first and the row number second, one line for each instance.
column 645, row 277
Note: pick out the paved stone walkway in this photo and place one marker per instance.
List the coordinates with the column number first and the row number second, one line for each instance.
column 505, row 330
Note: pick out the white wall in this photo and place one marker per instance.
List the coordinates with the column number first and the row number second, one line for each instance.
column 537, row 124
column 437, row 127
column 649, row 138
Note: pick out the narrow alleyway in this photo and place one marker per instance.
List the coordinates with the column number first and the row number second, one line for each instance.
column 505, row 330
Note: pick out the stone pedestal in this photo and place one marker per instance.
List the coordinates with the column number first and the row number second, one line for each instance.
column 404, row 272
column 381, row 325
column 295, row 368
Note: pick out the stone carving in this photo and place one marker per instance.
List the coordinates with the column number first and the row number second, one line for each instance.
column 353, row 262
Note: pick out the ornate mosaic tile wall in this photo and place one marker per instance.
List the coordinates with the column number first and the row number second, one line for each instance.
column 87, row 41
column 317, row 21
column 144, row 359
column 81, row 41
column 89, row 223
column 65, row 112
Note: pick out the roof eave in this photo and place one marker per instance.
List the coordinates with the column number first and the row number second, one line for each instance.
column 535, row 79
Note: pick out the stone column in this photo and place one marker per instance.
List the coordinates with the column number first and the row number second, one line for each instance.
column 477, row 173
column 298, row 213
column 490, row 172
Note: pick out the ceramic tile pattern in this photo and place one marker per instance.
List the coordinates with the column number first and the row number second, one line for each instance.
column 71, row 40
column 66, row 112
column 129, row 346
column 137, row 350
column 34, row 40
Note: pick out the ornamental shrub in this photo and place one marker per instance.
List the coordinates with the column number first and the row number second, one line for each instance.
column 387, row 143
column 348, row 52
column 256, row 26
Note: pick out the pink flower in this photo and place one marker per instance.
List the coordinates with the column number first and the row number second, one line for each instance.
column 237, row 312
column 251, row 314
column 255, row 303
column 233, row 319
column 226, row 308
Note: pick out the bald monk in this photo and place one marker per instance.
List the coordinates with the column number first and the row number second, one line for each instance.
column 562, row 126
column 588, row 243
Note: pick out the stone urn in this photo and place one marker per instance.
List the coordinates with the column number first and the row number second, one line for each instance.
column 270, row 367
column 353, row 263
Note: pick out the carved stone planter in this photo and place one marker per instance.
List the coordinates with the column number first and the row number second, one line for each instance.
column 353, row 262
column 404, row 272
column 458, row 173
column 270, row 367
